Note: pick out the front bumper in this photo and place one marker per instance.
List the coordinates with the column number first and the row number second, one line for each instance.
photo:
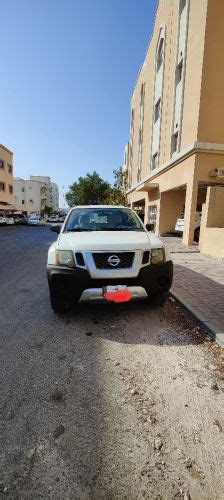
column 77, row 282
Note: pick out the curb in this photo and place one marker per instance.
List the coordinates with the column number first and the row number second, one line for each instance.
column 211, row 329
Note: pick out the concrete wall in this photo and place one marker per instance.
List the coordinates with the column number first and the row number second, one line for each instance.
column 36, row 193
column 5, row 176
column 211, row 127
column 213, row 242
column 27, row 195
column 171, row 207
column 212, row 223
column 201, row 110
column 167, row 19
column 216, row 207
column 54, row 199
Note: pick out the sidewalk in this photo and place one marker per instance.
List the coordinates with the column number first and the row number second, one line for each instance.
column 199, row 285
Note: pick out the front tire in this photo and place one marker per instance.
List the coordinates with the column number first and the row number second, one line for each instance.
column 197, row 234
column 159, row 299
column 58, row 302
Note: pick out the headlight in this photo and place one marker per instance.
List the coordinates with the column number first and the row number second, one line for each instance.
column 157, row 255
column 65, row 258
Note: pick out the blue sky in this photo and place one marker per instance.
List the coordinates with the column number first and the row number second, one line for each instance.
column 68, row 68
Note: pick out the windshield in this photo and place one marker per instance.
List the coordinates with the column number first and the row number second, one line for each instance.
column 103, row 219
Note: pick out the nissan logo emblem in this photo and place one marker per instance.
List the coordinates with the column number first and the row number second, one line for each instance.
column 114, row 260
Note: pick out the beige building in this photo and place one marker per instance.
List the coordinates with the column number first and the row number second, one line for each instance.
column 176, row 146
column 6, row 178
column 36, row 193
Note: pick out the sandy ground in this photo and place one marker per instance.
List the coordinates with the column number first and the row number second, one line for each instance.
column 107, row 402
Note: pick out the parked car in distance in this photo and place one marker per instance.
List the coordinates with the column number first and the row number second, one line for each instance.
column 10, row 221
column 3, row 220
column 33, row 220
column 179, row 227
column 52, row 218
column 19, row 219
column 61, row 218
column 106, row 253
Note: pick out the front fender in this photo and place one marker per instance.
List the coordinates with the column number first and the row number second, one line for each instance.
column 51, row 254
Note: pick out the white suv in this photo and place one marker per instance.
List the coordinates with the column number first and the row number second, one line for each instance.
column 3, row 220
column 106, row 253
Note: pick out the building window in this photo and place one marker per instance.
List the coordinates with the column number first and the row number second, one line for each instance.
column 160, row 54
column 9, row 168
column 141, row 113
column 131, row 149
column 139, row 160
column 1, row 164
column 22, row 189
column 157, row 99
column 140, row 137
column 155, row 161
column 179, row 72
column 157, row 110
column 2, row 186
column 31, row 201
column 180, row 68
column 10, row 189
column 174, row 143
column 23, row 202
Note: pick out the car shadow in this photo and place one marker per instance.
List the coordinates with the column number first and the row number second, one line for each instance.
column 137, row 323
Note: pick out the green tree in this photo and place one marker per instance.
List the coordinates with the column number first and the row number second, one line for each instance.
column 88, row 190
column 47, row 210
column 121, row 179
column 115, row 196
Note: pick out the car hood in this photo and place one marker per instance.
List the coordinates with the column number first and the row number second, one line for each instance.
column 108, row 241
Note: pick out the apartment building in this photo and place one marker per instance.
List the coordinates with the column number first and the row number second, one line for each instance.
column 35, row 194
column 176, row 145
column 124, row 167
column 6, row 178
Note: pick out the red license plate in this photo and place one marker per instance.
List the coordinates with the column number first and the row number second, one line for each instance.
column 117, row 293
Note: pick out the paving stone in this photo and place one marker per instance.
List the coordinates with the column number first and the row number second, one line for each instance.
column 199, row 284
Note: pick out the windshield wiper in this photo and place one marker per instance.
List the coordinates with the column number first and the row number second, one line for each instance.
column 121, row 229
column 78, row 230
column 81, row 230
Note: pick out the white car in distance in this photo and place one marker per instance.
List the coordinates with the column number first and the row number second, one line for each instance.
column 3, row 220
column 33, row 220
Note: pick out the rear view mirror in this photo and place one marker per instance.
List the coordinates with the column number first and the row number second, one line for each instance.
column 56, row 228
column 150, row 227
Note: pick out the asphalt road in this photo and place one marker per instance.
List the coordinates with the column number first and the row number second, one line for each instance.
column 107, row 401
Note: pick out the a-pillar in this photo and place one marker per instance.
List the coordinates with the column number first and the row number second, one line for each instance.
column 190, row 212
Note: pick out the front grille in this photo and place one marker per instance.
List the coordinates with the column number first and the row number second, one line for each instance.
column 145, row 257
column 122, row 260
column 79, row 259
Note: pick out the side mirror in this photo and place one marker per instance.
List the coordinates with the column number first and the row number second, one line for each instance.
column 150, row 227
column 56, row 228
